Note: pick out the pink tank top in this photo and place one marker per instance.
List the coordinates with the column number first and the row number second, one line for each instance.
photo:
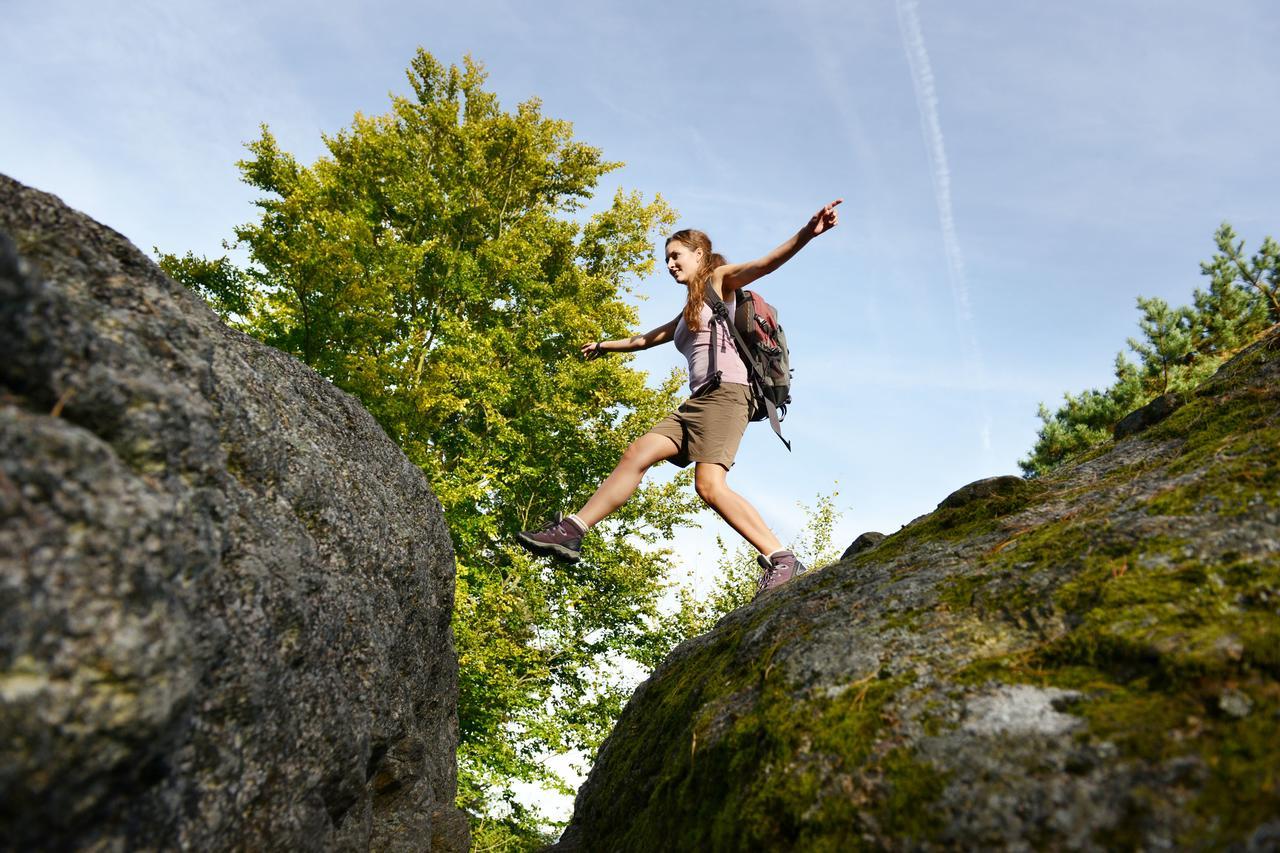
column 696, row 346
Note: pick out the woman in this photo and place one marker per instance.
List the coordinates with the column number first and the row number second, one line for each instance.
column 707, row 428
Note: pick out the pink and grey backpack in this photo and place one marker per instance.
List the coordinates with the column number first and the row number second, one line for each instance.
column 763, row 346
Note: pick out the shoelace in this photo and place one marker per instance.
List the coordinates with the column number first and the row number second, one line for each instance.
column 765, row 577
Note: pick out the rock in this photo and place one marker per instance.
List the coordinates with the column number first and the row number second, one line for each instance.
column 1147, row 416
column 225, row 594
column 1235, row 703
column 864, row 542
column 1019, row 709
column 1028, row 667
column 1006, row 484
column 1265, row 838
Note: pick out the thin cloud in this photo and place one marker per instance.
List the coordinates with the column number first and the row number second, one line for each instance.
column 927, row 104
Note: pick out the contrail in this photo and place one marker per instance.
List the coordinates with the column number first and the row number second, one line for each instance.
column 931, row 127
column 927, row 101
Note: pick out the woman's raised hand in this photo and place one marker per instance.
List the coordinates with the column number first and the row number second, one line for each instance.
column 824, row 220
column 592, row 350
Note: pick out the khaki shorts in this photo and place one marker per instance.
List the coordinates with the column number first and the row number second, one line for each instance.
column 708, row 428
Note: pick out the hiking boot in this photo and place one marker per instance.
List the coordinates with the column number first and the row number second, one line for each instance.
column 774, row 573
column 560, row 538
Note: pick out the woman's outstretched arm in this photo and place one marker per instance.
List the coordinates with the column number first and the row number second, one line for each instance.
column 652, row 338
column 734, row 276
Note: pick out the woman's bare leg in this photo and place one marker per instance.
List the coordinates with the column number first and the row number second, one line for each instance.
column 709, row 480
column 644, row 452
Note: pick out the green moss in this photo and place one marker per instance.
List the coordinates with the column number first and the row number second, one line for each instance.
column 1160, row 609
column 1157, row 636
column 1136, row 718
column 740, row 762
column 905, row 620
column 802, row 749
column 973, row 519
column 1243, row 788
column 1237, row 473
column 1004, row 669
column 904, row 813
column 1231, row 433
column 960, row 592
column 1241, row 778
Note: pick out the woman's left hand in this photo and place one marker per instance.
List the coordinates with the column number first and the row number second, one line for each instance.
column 824, row 220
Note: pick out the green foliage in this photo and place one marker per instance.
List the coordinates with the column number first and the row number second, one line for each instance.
column 228, row 289
column 435, row 263
column 1179, row 348
column 737, row 572
column 1167, row 344
column 1259, row 277
column 519, row 828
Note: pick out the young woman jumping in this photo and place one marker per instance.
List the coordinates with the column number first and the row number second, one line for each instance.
column 707, row 428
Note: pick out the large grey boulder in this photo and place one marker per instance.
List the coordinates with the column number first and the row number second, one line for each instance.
column 1085, row 661
column 224, row 593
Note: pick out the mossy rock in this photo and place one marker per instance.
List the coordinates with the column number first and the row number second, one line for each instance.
column 1088, row 660
column 1004, row 486
column 1147, row 416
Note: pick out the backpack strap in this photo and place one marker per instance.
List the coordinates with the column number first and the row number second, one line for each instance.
column 721, row 310
column 713, row 373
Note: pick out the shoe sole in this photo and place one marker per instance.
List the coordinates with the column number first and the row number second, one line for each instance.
column 548, row 549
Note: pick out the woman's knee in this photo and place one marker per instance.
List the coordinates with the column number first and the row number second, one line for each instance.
column 709, row 486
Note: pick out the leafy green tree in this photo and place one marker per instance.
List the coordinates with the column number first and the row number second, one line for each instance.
column 228, row 289
column 1179, row 348
column 436, row 263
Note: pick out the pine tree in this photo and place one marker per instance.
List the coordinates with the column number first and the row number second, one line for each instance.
column 1167, row 350
column 1178, row 349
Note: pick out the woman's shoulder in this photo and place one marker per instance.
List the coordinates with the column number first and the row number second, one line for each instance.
column 726, row 294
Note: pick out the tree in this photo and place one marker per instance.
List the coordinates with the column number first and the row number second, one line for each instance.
column 1242, row 297
column 436, row 264
column 1168, row 344
column 1084, row 420
column 228, row 289
column 1179, row 348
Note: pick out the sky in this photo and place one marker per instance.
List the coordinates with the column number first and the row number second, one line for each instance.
column 1014, row 175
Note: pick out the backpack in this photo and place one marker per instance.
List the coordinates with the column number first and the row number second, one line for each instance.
column 763, row 347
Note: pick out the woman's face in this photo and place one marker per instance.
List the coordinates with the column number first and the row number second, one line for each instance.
column 682, row 261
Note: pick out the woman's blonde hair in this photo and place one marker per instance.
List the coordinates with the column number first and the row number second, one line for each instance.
column 697, row 283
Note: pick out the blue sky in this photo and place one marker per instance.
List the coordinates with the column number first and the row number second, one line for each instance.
column 1014, row 175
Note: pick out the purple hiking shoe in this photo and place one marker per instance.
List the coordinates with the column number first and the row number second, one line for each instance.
column 774, row 573
column 560, row 538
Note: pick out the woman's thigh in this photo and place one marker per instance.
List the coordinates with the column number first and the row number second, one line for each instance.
column 650, row 449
